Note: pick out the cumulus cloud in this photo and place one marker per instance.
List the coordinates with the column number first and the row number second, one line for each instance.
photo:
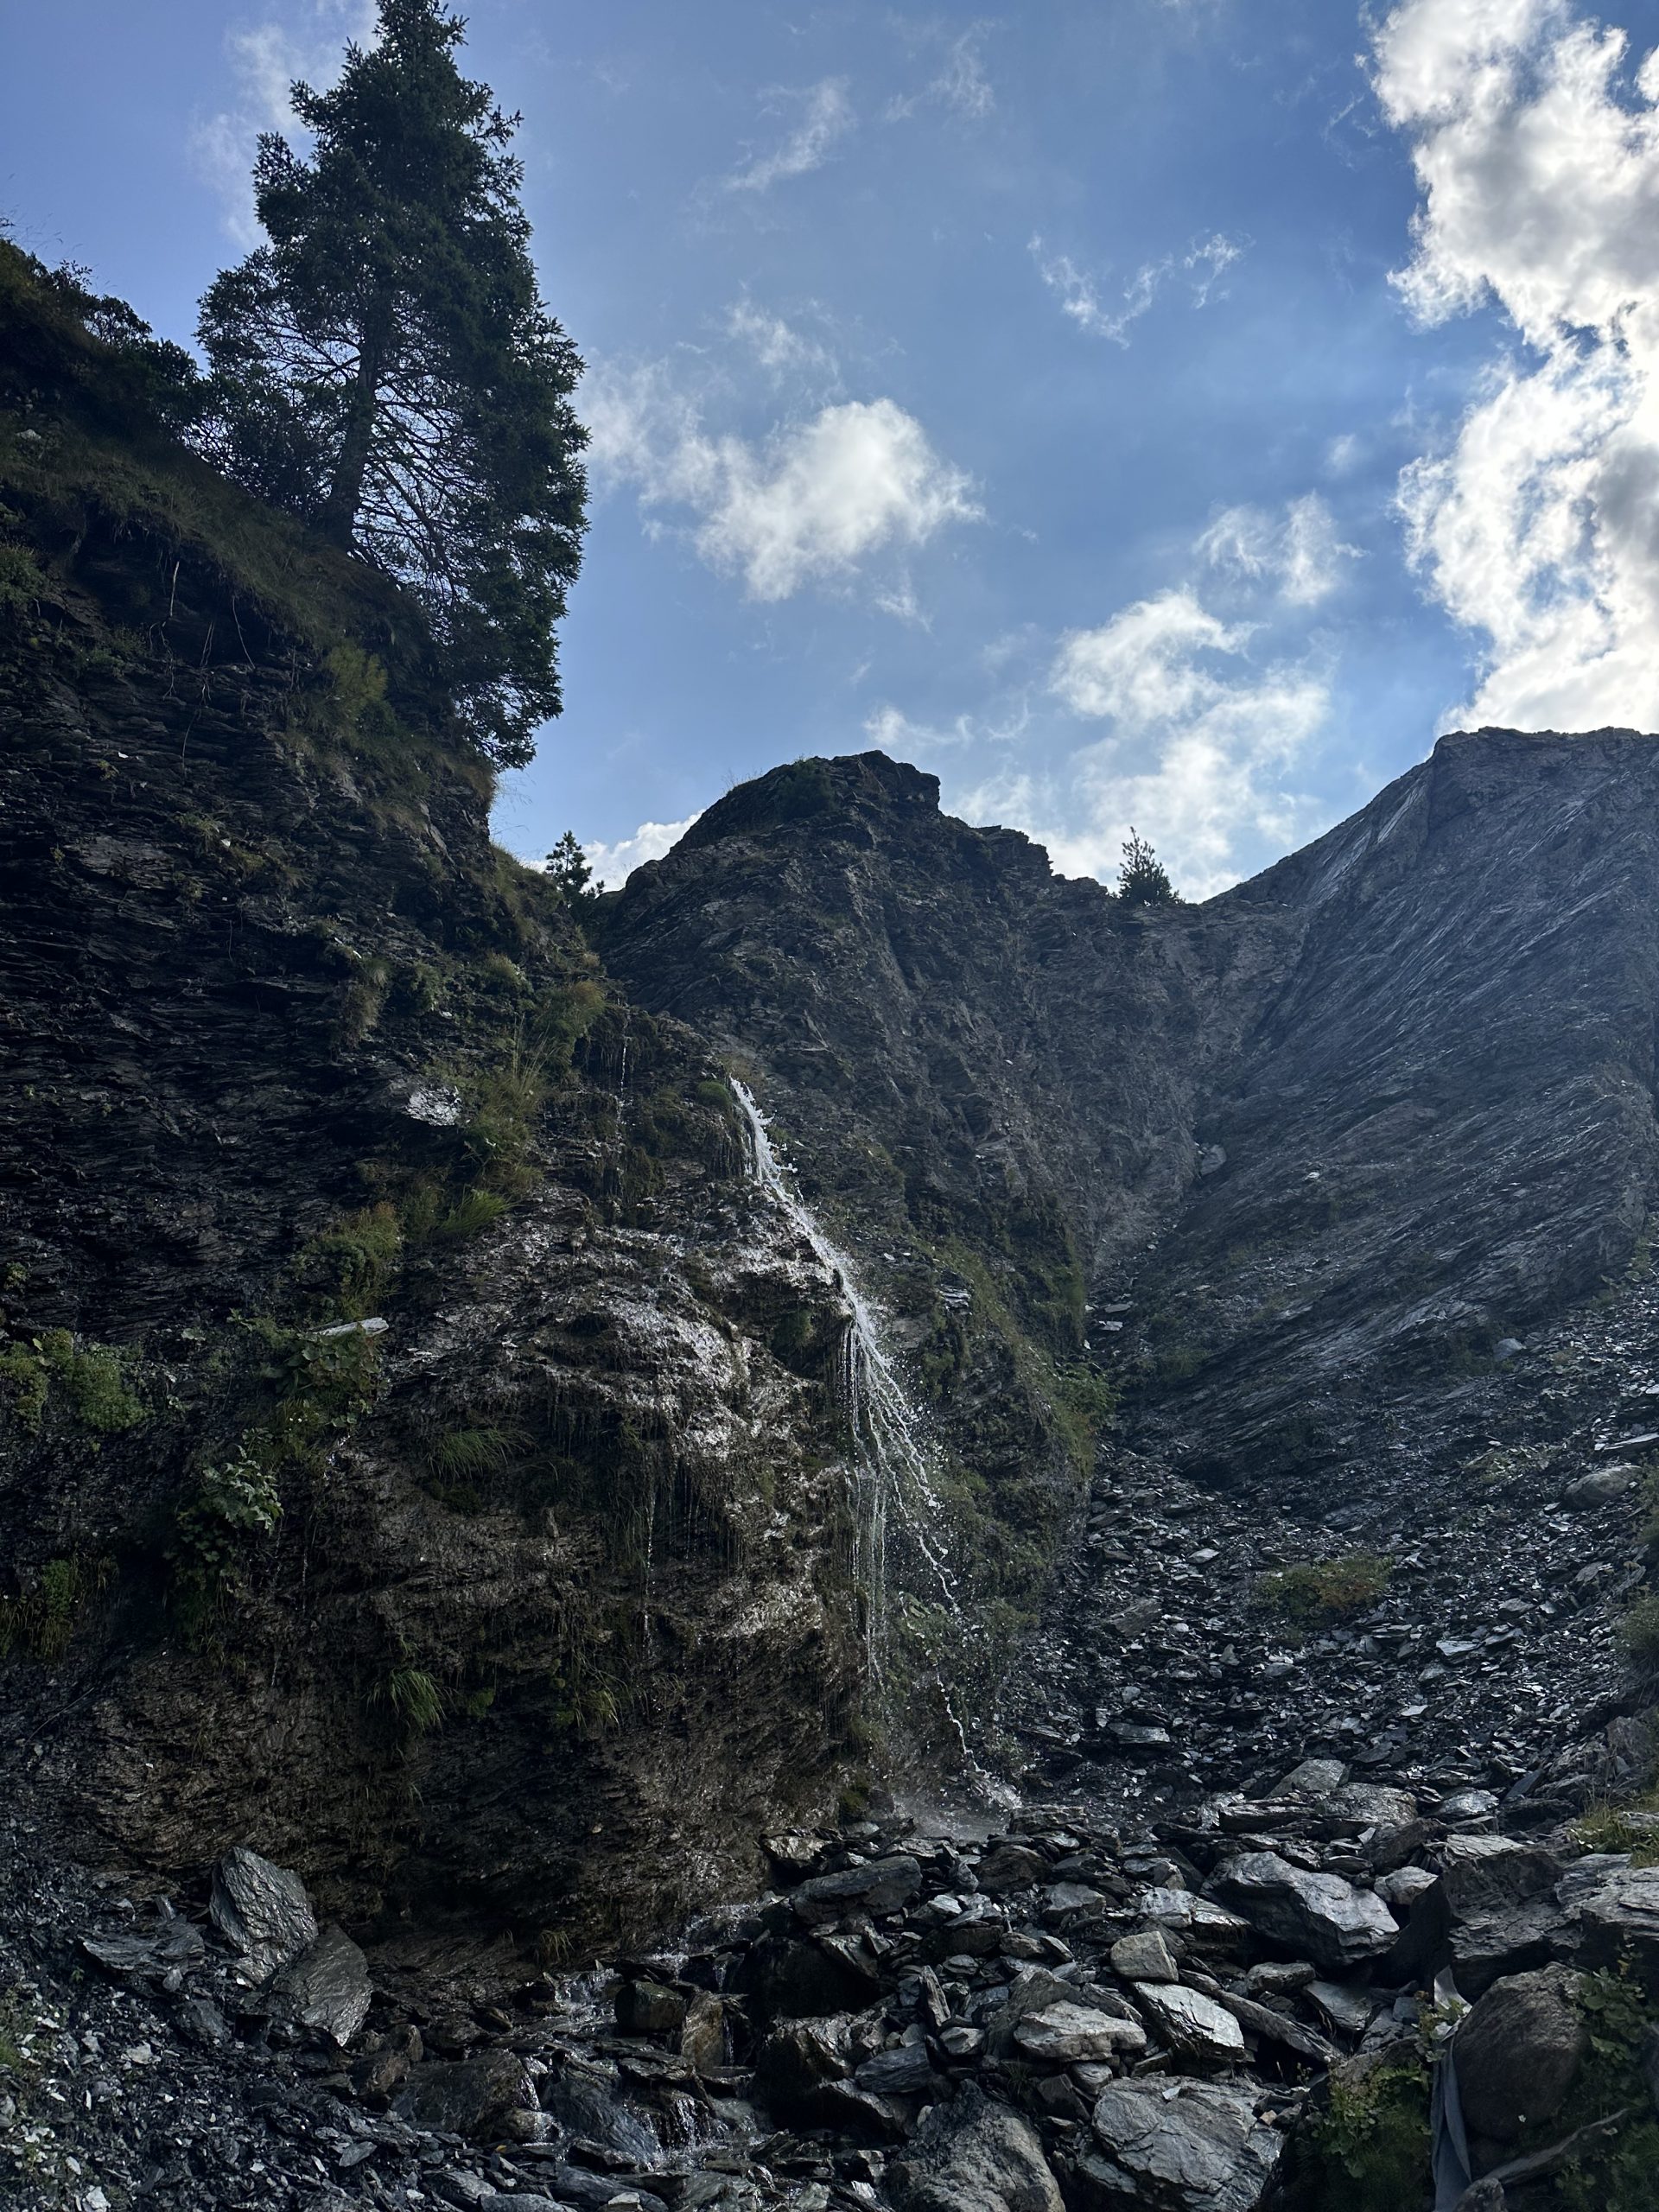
column 1537, row 157
column 265, row 60
column 613, row 864
column 827, row 116
column 1298, row 553
column 1201, row 268
column 1198, row 753
column 809, row 504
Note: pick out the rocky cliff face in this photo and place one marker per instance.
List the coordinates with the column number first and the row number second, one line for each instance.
column 417, row 1445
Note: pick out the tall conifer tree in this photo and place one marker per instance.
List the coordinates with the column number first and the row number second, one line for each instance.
column 385, row 367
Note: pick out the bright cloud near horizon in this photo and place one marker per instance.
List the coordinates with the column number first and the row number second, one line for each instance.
column 1162, row 416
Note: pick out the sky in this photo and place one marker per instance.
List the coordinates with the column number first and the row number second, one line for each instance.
column 1173, row 413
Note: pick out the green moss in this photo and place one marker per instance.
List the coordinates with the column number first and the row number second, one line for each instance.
column 1618, row 2175
column 1638, row 1630
column 86, row 1382
column 1321, row 1590
column 345, row 1270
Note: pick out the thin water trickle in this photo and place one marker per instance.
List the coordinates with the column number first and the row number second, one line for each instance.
column 894, row 1478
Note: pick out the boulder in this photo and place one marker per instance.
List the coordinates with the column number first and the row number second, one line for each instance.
column 1492, row 1912
column 703, row 2038
column 1061, row 2034
column 1372, row 1804
column 880, row 1885
column 1313, row 1778
column 801, row 1979
column 1619, row 1920
column 262, row 1911
column 1518, row 2051
column 974, row 2156
column 473, row 2097
column 1189, row 2023
column 326, row 1987
column 1319, row 1916
column 1011, row 1866
column 1144, row 1958
column 1199, row 2150
column 649, row 2008
column 582, row 2097
column 898, row 2072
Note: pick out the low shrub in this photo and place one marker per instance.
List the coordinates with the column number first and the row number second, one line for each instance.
column 1317, row 1591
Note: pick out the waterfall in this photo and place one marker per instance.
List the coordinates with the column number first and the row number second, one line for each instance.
column 896, row 1499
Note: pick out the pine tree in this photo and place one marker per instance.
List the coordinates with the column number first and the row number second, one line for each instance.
column 1143, row 880
column 570, row 869
column 385, row 367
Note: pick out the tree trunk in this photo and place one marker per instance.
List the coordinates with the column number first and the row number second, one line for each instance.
column 338, row 516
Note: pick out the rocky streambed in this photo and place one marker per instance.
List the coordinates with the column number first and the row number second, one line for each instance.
column 1292, row 1999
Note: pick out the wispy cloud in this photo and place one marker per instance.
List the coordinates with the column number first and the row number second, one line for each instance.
column 778, row 347
column 827, row 116
column 901, row 734
column 265, row 60
column 960, row 83
column 1200, row 268
column 812, row 503
column 1298, row 552
column 1537, row 159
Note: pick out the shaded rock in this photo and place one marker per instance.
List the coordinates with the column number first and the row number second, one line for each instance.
column 327, row 1986
column 881, row 1886
column 1518, row 2051
column 175, row 1942
column 1401, row 1890
column 1319, row 1916
column 1191, row 2022
column 1373, row 1804
column 466, row 2096
column 582, row 2098
column 261, row 1910
column 1010, row 1866
column 648, row 2008
column 1263, row 2022
column 703, row 2038
column 897, row 2073
column 974, row 2156
column 1600, row 1487
column 790, row 1977
column 1201, row 2150
column 1144, row 1958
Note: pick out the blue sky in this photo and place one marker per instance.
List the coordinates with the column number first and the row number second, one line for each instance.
column 1172, row 411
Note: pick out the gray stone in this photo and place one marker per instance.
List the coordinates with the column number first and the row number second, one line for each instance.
column 1619, row 1919
column 1468, row 1805
column 974, row 2156
column 796, row 1978
column 1401, row 1890
column 1320, row 1915
column 1345, row 2008
column 1058, row 2034
column 175, row 1942
column 583, row 2099
column 1373, row 1804
column 1518, row 2051
column 1313, row 1778
column 1189, row 2022
column 327, row 1986
column 880, row 1886
column 1602, row 1487
column 703, row 2038
column 1144, row 1958
column 897, row 2073
column 1199, row 2150
column 262, row 1911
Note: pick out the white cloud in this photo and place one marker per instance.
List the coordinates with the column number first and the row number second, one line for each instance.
column 1538, row 162
column 828, row 116
column 1202, row 265
column 1298, row 554
column 265, row 60
column 613, row 864
column 777, row 346
column 961, row 84
column 894, row 732
column 1199, row 754
column 809, row 504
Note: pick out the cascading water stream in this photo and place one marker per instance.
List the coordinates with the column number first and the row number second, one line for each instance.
column 894, row 1478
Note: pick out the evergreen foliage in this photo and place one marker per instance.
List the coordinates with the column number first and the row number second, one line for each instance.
column 1143, row 880
column 385, row 367
column 569, row 867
